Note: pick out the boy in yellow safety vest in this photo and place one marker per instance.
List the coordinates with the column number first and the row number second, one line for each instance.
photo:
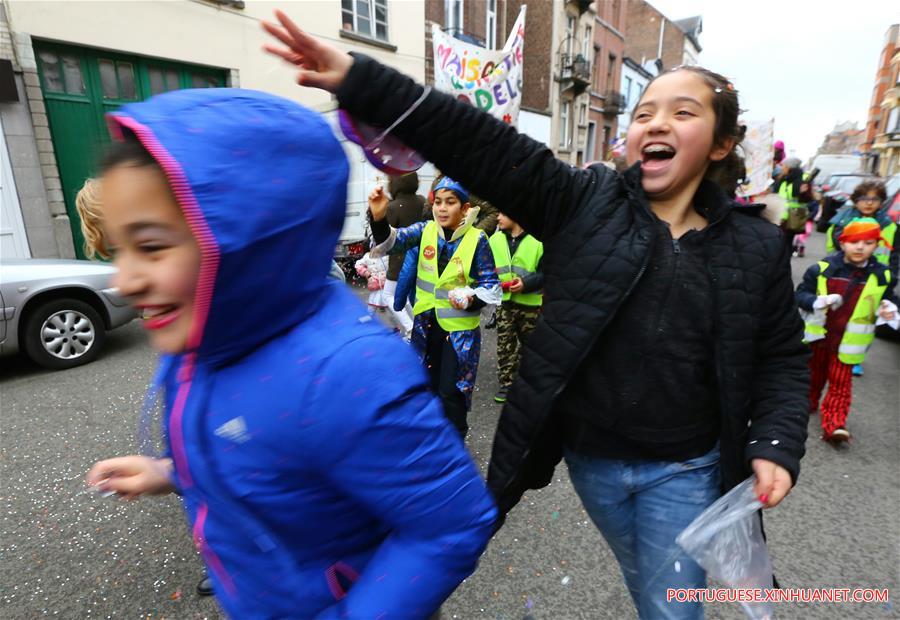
column 842, row 298
column 518, row 258
column 455, row 279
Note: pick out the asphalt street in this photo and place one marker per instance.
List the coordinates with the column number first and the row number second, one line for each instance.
column 68, row 553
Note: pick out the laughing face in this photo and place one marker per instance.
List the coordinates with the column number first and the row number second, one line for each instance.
column 157, row 257
column 671, row 134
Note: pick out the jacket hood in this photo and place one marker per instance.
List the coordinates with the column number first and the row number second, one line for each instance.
column 403, row 184
column 262, row 183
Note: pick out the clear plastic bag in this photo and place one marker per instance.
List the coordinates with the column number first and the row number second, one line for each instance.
column 726, row 540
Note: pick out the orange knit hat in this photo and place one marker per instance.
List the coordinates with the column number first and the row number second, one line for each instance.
column 862, row 228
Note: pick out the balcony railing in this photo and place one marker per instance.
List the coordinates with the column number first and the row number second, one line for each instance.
column 574, row 71
column 614, row 103
column 582, row 5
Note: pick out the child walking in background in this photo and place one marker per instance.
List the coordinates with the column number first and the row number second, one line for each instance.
column 867, row 201
column 374, row 270
column 668, row 364
column 319, row 476
column 455, row 279
column 518, row 258
column 842, row 297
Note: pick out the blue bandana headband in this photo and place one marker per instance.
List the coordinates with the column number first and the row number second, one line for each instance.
column 448, row 183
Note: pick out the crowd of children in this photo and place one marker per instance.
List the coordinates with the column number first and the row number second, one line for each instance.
column 636, row 339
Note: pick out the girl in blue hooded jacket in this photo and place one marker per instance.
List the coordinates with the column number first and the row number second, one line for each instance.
column 319, row 480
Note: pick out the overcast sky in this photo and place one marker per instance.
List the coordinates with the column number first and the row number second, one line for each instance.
column 807, row 64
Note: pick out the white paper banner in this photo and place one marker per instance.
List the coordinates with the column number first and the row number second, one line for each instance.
column 758, row 147
column 488, row 79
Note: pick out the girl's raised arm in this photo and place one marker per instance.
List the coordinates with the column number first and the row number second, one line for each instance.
column 518, row 174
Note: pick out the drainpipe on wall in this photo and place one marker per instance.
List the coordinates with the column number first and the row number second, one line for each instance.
column 662, row 32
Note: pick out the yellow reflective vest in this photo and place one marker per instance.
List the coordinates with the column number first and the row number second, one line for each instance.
column 523, row 263
column 433, row 289
column 860, row 330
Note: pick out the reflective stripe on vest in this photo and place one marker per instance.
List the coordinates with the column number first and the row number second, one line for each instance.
column 814, row 328
column 433, row 290
column 522, row 264
column 860, row 330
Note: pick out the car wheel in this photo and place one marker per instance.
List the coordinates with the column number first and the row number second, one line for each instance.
column 63, row 333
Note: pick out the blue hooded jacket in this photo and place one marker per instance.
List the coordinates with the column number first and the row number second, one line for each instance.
column 319, row 475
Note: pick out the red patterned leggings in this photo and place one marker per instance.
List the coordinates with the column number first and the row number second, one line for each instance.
column 825, row 367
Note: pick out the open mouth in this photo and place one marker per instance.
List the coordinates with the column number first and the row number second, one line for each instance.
column 655, row 156
column 155, row 317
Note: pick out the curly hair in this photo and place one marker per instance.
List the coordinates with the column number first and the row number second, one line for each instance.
column 866, row 187
column 87, row 202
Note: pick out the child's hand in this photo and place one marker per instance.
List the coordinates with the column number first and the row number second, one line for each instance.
column 517, row 286
column 887, row 310
column 132, row 476
column 321, row 64
column 832, row 302
column 773, row 482
column 459, row 300
column 378, row 203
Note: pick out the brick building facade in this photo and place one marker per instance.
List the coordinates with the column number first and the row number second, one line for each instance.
column 607, row 101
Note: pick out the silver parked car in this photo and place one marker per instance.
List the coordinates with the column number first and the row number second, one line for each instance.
column 58, row 311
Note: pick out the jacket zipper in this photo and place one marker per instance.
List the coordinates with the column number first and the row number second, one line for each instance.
column 630, row 196
column 588, row 349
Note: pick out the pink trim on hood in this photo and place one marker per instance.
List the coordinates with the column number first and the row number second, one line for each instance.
column 209, row 265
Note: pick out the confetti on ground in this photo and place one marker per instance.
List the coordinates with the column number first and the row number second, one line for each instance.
column 566, row 580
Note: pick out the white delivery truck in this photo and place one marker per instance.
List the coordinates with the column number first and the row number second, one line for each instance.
column 841, row 163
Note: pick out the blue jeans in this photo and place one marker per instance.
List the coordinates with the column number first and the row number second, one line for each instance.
column 640, row 507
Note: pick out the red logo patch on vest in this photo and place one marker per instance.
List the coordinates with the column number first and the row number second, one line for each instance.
column 429, row 252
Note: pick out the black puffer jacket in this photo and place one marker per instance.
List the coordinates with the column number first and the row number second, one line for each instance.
column 595, row 228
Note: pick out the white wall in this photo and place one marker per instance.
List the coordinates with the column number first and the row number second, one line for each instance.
column 537, row 126
column 203, row 33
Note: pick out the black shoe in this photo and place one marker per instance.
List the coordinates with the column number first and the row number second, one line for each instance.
column 492, row 322
column 204, row 588
column 500, row 397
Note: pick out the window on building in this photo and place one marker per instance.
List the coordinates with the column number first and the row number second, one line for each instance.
column 564, row 119
column 490, row 35
column 570, row 33
column 610, row 71
column 626, row 88
column 453, row 15
column 582, row 114
column 598, row 71
column 117, row 79
column 365, row 17
column 62, row 73
column 591, row 147
column 587, row 43
column 893, row 122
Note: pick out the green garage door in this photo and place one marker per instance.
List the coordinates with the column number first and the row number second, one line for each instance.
column 81, row 85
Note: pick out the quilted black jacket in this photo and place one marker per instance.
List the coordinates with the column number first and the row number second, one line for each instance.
column 595, row 228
